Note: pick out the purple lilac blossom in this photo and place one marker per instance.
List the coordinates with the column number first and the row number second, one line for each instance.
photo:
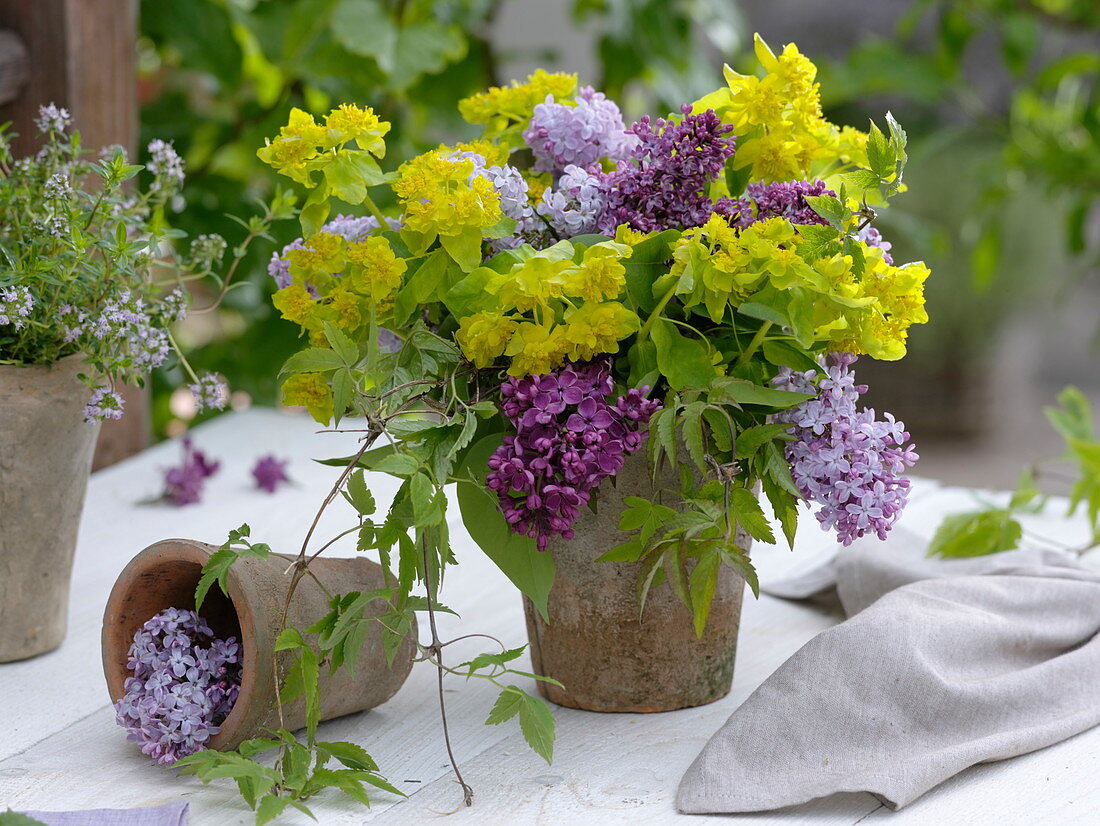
column 52, row 119
column 573, row 205
column 211, row 392
column 843, row 459
column 873, row 238
column 183, row 485
column 560, row 135
column 269, row 473
column 104, row 404
column 16, row 304
column 664, row 184
column 569, row 438
column 783, row 199
column 184, row 684
column 511, row 188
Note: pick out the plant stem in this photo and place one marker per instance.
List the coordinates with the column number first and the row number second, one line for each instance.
column 436, row 648
column 649, row 322
column 754, row 345
column 372, row 207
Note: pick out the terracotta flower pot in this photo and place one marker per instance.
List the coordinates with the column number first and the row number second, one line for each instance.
column 607, row 656
column 164, row 575
column 45, row 458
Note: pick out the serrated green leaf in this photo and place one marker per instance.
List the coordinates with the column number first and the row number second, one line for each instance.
column 750, row 516
column 359, row 494
column 692, row 430
column 704, row 582
column 507, row 706
column 397, row 464
column 536, row 721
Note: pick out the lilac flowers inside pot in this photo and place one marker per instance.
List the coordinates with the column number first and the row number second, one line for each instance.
column 184, row 685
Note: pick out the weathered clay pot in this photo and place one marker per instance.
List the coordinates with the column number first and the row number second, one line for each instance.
column 45, row 457
column 164, row 575
column 607, row 656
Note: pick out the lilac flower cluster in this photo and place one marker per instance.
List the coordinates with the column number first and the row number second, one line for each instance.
column 183, row 485
column 52, row 119
column 783, row 199
column 349, row 227
column 16, row 304
column 581, row 135
column 873, row 238
column 664, row 185
column 211, row 392
column 184, row 685
column 512, row 190
column 104, row 404
column 569, row 438
column 574, row 204
column 843, row 459
column 269, row 473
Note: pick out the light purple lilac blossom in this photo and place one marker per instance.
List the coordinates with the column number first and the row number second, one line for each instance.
column 573, row 205
column 104, row 404
column 269, row 473
column 184, row 684
column 183, row 485
column 52, row 119
column 211, row 392
column 16, row 304
column 561, row 135
column 569, row 438
column 511, row 188
column 873, row 238
column 663, row 185
column 783, row 199
column 843, row 459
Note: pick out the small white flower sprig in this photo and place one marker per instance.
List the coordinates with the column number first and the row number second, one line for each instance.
column 89, row 263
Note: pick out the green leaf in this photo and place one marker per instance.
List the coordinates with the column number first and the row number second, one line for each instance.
column 685, row 362
column 359, row 494
column 422, row 285
column 740, row 561
column 751, row 439
column 1074, row 420
column 517, row 556
column 742, row 391
column 831, row 209
column 1025, row 492
column 692, row 430
column 704, row 582
column 536, row 721
column 397, row 464
column 341, row 344
column 465, row 248
column 312, row 360
column 781, row 353
column 750, row 516
column 763, row 312
column 976, row 534
column 860, row 180
column 880, row 157
column 506, row 706
column 784, row 506
column 271, row 806
column 10, row 818
column 351, row 755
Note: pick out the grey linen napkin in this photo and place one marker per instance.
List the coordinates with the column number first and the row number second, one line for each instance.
column 941, row 665
column 170, row 814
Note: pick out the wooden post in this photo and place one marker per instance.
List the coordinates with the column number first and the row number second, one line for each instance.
column 81, row 55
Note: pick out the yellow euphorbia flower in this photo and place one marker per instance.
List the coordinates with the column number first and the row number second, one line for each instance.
column 297, row 305
column 536, row 349
column 439, row 196
column 376, row 271
column 534, row 283
column 484, row 336
column 311, row 391
column 600, row 275
column 594, row 329
column 502, row 105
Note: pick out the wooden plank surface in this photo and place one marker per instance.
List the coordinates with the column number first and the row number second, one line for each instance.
column 60, row 748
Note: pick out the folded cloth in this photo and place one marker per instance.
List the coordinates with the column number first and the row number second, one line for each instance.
column 942, row 664
column 170, row 814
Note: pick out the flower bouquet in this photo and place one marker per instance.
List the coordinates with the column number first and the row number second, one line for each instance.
column 91, row 280
column 626, row 352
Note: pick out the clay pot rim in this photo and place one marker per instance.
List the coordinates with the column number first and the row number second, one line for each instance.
column 189, row 550
column 64, row 361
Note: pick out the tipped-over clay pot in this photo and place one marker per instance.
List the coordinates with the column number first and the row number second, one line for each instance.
column 164, row 575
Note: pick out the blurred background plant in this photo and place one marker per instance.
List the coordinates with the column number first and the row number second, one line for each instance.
column 999, row 98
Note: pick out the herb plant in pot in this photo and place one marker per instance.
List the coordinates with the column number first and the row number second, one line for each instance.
column 90, row 282
column 617, row 342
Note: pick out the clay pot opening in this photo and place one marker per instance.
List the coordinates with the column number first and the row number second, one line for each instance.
column 159, row 583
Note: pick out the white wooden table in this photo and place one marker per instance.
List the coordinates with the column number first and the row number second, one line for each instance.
column 61, row 749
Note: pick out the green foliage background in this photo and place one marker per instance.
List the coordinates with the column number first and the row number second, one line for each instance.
column 1002, row 186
